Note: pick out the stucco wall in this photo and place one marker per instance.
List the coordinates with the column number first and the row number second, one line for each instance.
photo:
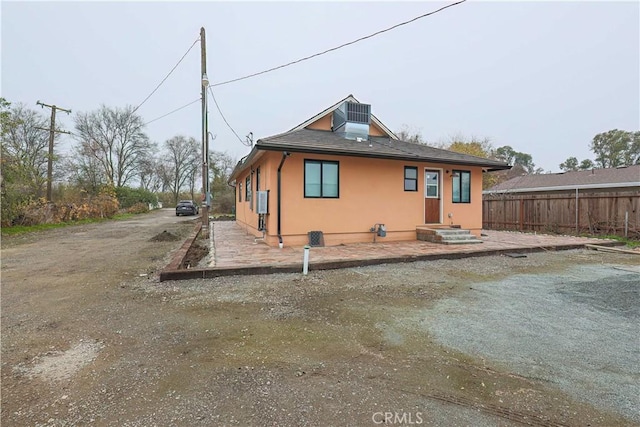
column 371, row 191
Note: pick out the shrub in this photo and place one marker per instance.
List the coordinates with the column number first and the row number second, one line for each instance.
column 106, row 204
column 14, row 200
column 127, row 197
column 39, row 211
column 224, row 203
column 166, row 199
column 138, row 208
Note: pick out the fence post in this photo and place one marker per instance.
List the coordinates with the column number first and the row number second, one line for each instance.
column 626, row 224
column 521, row 213
column 504, row 213
column 577, row 213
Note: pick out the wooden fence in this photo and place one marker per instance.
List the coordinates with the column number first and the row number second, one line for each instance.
column 596, row 213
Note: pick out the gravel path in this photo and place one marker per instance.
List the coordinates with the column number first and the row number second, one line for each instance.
column 578, row 330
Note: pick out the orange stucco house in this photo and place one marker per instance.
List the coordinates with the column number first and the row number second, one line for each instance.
column 345, row 174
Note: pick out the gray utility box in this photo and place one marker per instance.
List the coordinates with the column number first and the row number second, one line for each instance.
column 263, row 202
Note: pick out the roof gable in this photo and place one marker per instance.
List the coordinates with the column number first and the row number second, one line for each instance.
column 318, row 117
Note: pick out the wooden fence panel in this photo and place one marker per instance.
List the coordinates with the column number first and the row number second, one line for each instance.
column 593, row 213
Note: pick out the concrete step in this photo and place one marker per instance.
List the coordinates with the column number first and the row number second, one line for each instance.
column 453, row 232
column 461, row 242
column 442, row 231
column 457, row 237
column 446, row 236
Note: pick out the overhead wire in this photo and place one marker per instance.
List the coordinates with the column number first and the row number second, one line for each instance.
column 158, row 118
column 167, row 76
column 225, row 119
column 273, row 68
column 338, row 47
column 173, row 111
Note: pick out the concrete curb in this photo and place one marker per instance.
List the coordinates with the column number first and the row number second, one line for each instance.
column 206, row 273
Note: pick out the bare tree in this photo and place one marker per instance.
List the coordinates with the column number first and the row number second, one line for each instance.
column 25, row 149
column 151, row 178
column 409, row 134
column 221, row 166
column 194, row 174
column 85, row 171
column 182, row 159
column 114, row 137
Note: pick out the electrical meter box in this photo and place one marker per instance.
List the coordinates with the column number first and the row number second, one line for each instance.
column 263, row 202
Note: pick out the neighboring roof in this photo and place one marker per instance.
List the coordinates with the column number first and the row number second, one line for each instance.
column 349, row 98
column 326, row 142
column 628, row 176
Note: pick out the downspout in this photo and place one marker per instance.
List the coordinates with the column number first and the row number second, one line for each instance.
column 285, row 154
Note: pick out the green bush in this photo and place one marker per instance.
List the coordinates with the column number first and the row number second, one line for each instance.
column 130, row 196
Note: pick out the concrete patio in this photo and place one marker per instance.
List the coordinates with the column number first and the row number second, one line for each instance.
column 235, row 252
column 234, row 248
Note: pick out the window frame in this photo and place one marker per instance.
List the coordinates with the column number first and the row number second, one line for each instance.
column 414, row 168
column 239, row 192
column 321, row 163
column 436, row 185
column 458, row 178
column 247, row 189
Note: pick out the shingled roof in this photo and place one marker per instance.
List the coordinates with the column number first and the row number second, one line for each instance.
column 628, row 176
column 326, row 142
column 300, row 139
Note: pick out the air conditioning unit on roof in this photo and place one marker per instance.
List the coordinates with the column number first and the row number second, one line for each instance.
column 352, row 120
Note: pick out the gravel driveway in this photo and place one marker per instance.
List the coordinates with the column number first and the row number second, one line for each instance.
column 89, row 337
column 578, row 331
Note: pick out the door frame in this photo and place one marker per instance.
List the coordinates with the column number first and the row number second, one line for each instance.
column 440, row 191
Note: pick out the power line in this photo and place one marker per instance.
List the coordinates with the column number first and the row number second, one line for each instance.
column 157, row 118
column 224, row 118
column 166, row 77
column 173, row 111
column 338, row 47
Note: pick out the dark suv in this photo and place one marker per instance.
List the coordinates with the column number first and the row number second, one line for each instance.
column 186, row 207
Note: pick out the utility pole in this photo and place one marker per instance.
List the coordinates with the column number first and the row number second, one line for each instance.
column 205, row 134
column 52, row 133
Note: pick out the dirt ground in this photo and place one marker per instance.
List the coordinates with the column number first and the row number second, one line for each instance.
column 90, row 337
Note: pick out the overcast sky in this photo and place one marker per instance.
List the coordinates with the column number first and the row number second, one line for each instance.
column 542, row 77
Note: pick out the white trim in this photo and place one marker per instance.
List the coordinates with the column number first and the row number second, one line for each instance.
column 440, row 191
column 565, row 187
column 349, row 98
